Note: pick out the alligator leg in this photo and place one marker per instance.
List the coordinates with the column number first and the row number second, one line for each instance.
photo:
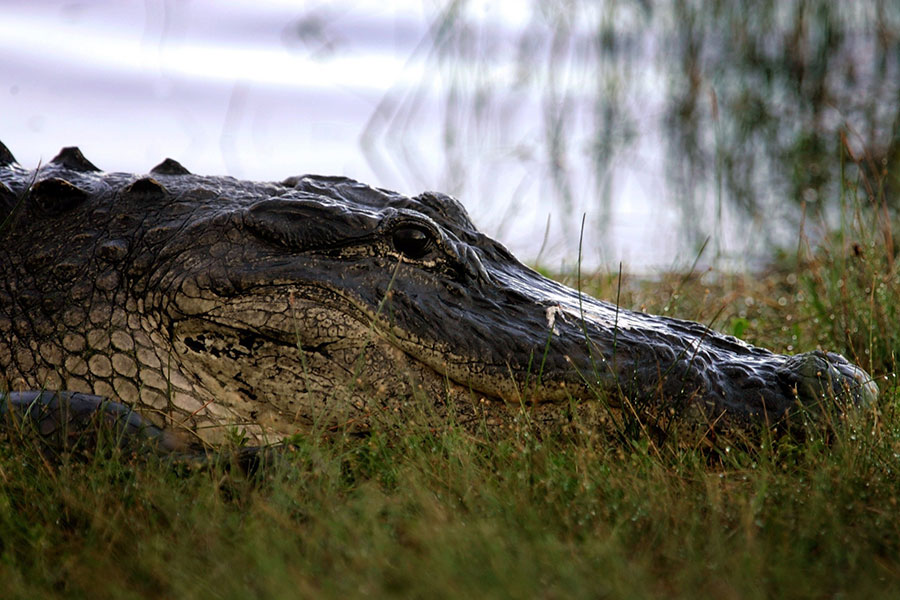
column 68, row 419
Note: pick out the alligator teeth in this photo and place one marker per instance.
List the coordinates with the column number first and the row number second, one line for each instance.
column 72, row 159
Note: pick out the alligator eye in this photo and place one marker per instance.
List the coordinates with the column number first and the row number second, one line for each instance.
column 411, row 241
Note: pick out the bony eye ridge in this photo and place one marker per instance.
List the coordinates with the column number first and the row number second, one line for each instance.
column 412, row 241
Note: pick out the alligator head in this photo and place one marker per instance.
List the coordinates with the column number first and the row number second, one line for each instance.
column 209, row 301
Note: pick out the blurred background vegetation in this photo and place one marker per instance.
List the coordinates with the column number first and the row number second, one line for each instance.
column 755, row 110
column 671, row 125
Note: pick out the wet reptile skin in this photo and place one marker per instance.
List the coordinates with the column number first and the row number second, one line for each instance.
column 209, row 302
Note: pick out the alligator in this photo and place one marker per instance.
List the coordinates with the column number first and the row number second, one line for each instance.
column 209, row 305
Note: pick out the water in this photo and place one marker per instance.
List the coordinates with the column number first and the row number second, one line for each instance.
column 664, row 125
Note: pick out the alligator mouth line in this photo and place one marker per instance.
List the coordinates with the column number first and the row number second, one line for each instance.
column 279, row 316
column 228, row 332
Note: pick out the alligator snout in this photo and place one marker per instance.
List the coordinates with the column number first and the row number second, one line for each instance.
column 821, row 377
column 732, row 381
column 660, row 362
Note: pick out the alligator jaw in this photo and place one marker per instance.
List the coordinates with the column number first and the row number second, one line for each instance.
column 584, row 350
column 580, row 348
column 517, row 336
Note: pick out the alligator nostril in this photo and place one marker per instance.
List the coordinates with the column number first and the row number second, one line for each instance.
column 819, row 377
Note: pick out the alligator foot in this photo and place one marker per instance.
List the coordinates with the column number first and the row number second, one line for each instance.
column 66, row 420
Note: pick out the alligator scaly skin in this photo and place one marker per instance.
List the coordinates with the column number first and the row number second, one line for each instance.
column 209, row 302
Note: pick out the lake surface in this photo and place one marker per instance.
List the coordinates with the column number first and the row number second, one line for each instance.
column 621, row 115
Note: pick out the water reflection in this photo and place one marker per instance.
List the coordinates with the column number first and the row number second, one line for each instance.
column 749, row 114
column 666, row 123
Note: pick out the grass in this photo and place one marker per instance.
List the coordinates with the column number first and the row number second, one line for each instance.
column 519, row 514
column 443, row 515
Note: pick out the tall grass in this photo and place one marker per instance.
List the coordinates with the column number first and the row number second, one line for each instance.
column 444, row 515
